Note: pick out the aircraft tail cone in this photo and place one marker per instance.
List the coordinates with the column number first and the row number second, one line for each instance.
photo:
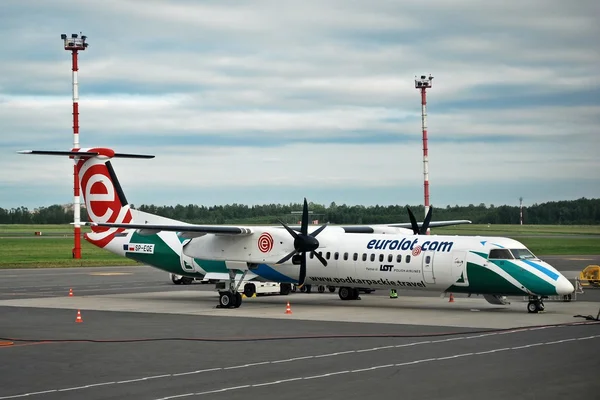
column 78, row 319
column 451, row 298
column 70, row 292
column 288, row 310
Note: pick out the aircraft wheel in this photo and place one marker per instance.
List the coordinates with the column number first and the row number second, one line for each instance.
column 321, row 289
column 238, row 300
column 225, row 299
column 177, row 279
column 540, row 306
column 532, row 307
column 187, row 281
column 331, row 289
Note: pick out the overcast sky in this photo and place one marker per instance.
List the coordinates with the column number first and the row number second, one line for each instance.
column 271, row 101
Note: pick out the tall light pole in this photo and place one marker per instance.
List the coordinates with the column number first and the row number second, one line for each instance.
column 521, row 209
column 74, row 44
column 423, row 84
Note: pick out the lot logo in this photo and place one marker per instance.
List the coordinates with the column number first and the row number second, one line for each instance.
column 385, row 267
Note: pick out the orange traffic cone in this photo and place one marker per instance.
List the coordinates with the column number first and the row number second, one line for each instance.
column 78, row 319
column 288, row 310
column 451, row 298
column 70, row 292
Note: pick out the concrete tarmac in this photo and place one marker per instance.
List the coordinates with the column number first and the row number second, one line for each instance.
column 157, row 340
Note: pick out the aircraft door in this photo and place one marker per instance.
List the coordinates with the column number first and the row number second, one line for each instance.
column 427, row 266
column 459, row 268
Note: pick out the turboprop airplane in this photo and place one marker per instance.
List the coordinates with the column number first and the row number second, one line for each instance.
column 376, row 257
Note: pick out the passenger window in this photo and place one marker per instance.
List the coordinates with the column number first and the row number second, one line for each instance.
column 336, row 255
column 372, row 257
column 364, row 256
column 399, row 258
column 355, row 256
column 500, row 254
column 381, row 257
column 407, row 258
column 427, row 259
column 328, row 255
column 390, row 258
column 345, row 256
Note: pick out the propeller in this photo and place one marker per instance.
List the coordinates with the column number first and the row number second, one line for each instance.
column 303, row 243
column 415, row 227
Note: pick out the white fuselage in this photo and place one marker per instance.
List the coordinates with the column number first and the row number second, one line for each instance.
column 421, row 262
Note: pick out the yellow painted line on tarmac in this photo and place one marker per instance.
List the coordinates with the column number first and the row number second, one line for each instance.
column 110, row 273
column 579, row 259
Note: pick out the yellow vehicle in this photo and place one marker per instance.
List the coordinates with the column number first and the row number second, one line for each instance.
column 590, row 276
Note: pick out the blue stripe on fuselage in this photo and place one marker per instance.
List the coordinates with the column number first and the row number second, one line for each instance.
column 542, row 269
column 270, row 274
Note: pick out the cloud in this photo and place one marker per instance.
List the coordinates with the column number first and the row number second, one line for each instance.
column 314, row 96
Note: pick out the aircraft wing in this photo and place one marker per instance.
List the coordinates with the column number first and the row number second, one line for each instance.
column 407, row 225
column 433, row 223
column 188, row 228
column 191, row 230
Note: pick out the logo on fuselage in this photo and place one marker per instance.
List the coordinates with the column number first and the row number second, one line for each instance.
column 407, row 244
column 265, row 242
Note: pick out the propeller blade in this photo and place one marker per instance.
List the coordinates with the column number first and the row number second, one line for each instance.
column 302, row 276
column 320, row 257
column 284, row 259
column 426, row 222
column 290, row 230
column 304, row 226
column 413, row 221
column 315, row 233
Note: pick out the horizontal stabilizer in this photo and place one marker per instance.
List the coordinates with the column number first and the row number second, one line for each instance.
column 81, row 154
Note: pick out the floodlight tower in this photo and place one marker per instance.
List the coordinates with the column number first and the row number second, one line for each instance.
column 74, row 44
column 423, row 84
column 521, row 209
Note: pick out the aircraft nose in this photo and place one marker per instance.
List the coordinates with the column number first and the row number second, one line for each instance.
column 564, row 286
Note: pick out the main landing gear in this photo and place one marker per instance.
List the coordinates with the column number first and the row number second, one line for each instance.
column 347, row 293
column 535, row 304
column 231, row 298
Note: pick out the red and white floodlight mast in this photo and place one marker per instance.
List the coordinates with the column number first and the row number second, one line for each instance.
column 423, row 84
column 521, row 210
column 74, row 44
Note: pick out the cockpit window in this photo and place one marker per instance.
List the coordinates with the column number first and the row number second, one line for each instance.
column 500, row 254
column 521, row 254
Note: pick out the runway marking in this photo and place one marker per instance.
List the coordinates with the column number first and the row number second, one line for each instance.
column 517, row 330
column 110, row 273
column 404, row 364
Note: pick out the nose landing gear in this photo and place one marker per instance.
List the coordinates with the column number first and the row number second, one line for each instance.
column 535, row 304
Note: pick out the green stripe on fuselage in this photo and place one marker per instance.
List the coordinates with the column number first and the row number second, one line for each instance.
column 163, row 257
column 532, row 282
column 485, row 281
column 167, row 259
